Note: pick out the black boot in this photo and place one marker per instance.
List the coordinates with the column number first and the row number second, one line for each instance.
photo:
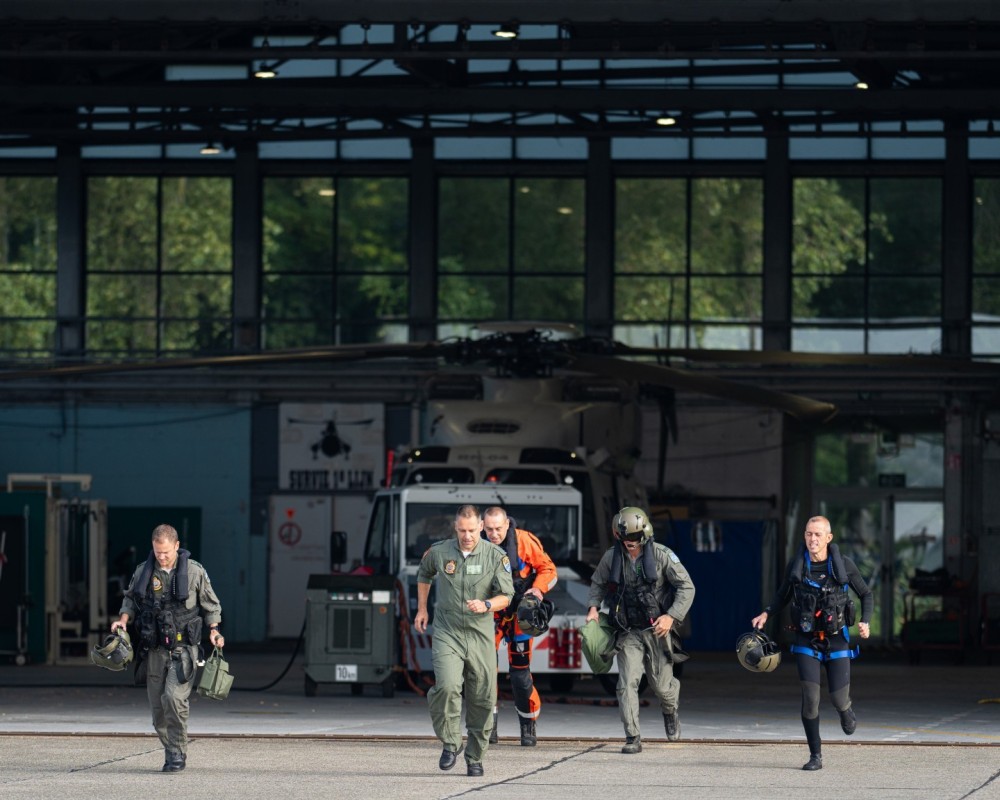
column 528, row 738
column 672, row 725
column 811, row 727
column 494, row 737
column 633, row 744
column 848, row 722
column 174, row 761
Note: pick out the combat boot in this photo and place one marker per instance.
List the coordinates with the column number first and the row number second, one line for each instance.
column 175, row 761
column 494, row 736
column 528, row 738
column 633, row 744
column 672, row 725
column 814, row 763
column 848, row 722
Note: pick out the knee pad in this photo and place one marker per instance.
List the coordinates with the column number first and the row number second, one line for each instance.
column 841, row 698
column 810, row 700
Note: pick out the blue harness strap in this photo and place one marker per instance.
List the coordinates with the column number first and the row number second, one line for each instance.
column 851, row 652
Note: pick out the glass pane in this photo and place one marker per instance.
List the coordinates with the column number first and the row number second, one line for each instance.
column 726, row 337
column 121, row 338
column 298, row 297
column 735, row 299
column 473, row 224
column 650, row 226
column 905, row 225
column 986, row 226
column 23, row 294
column 549, row 225
column 28, row 224
column 918, row 538
column 197, row 225
column 650, row 298
column 558, row 299
column 828, row 228
column 372, row 224
column 828, row 340
column 858, row 459
column 111, row 295
column 650, row 335
column 297, row 225
column 472, row 298
column 905, row 340
column 904, row 298
column 121, row 224
column 371, row 297
column 303, row 333
column 197, row 335
column 986, row 341
column 826, row 298
column 727, row 225
column 27, row 337
column 196, row 297
column 986, row 299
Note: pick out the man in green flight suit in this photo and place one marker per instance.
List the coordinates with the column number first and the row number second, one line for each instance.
column 647, row 591
column 168, row 600
column 473, row 581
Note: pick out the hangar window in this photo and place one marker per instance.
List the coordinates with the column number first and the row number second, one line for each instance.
column 866, row 265
column 986, row 268
column 28, row 265
column 688, row 262
column 159, row 265
column 509, row 249
column 335, row 260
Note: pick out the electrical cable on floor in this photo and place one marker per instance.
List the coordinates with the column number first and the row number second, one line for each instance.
column 284, row 672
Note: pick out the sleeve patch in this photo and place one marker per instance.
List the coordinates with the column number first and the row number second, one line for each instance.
column 506, row 563
column 674, row 558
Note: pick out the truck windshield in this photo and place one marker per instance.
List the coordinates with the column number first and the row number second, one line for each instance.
column 555, row 526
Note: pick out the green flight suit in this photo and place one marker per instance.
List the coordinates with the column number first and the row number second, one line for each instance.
column 640, row 650
column 464, row 650
column 169, row 697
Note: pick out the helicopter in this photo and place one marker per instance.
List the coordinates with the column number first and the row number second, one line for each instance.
column 331, row 444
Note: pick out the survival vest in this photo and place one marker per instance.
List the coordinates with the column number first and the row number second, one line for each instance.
column 635, row 605
column 521, row 584
column 822, row 608
column 165, row 621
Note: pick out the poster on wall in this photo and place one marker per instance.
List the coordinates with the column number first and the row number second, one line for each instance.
column 331, row 447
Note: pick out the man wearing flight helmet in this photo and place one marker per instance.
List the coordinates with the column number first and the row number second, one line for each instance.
column 647, row 592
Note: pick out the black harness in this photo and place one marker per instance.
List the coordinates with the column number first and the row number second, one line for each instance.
column 821, row 606
column 632, row 605
column 166, row 621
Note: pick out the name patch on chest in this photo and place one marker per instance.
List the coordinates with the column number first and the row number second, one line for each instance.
column 474, row 569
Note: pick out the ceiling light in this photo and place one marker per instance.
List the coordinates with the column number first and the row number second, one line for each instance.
column 861, row 85
column 210, row 150
column 265, row 71
column 509, row 30
column 666, row 120
column 327, row 192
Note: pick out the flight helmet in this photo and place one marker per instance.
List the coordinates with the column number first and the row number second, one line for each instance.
column 757, row 652
column 631, row 523
column 115, row 653
column 533, row 615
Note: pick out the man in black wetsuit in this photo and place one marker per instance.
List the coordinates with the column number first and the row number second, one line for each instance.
column 816, row 582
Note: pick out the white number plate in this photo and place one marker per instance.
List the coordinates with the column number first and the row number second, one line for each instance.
column 347, row 672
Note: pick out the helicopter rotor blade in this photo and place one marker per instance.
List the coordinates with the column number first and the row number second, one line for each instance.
column 804, row 409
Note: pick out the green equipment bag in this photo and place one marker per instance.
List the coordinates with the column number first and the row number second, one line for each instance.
column 215, row 679
column 598, row 638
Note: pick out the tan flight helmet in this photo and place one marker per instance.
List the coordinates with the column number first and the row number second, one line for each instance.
column 632, row 524
column 114, row 653
column 758, row 652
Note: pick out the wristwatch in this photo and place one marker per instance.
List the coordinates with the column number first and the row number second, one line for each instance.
column 489, row 605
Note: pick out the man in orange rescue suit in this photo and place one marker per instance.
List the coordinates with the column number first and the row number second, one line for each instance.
column 533, row 573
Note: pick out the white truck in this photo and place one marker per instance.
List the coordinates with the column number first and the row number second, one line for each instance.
column 406, row 520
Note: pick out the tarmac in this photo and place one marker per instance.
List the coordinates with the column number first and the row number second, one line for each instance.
column 924, row 731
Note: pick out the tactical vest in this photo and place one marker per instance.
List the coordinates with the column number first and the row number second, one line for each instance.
column 632, row 605
column 821, row 606
column 166, row 622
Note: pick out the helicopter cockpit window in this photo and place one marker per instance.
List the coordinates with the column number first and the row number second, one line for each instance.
column 522, row 477
column 555, row 527
column 425, row 525
column 440, row 475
